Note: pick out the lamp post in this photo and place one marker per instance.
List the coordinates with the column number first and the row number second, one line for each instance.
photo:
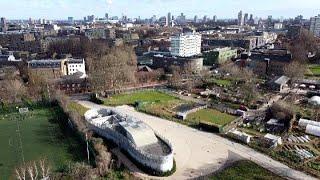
column 88, row 153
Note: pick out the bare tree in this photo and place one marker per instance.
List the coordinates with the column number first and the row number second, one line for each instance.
column 38, row 86
column 44, row 168
column 12, row 91
column 295, row 70
column 21, row 173
column 35, row 168
column 304, row 44
column 31, row 169
column 113, row 70
column 175, row 80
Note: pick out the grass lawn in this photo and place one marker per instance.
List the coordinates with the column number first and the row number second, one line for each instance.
column 315, row 70
column 152, row 102
column 212, row 116
column 77, row 107
column 222, row 82
column 141, row 96
column 42, row 136
column 245, row 170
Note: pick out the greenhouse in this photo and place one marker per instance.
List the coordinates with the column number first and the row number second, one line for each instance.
column 304, row 122
column 313, row 130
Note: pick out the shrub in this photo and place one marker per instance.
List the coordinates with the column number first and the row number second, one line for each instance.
column 95, row 99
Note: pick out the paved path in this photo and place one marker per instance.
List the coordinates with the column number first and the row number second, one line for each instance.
column 199, row 153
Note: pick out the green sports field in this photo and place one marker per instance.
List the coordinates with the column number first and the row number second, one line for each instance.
column 40, row 134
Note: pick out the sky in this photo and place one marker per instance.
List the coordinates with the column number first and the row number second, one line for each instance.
column 61, row 9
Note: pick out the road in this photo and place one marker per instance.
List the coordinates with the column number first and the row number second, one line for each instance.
column 199, row 153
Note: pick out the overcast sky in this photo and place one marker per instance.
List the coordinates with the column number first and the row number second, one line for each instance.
column 61, row 9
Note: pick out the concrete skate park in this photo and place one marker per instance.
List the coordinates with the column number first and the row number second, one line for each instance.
column 199, row 153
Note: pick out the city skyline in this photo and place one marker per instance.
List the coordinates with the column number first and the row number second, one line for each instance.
column 61, row 9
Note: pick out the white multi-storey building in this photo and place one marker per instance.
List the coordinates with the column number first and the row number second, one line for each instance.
column 71, row 66
column 315, row 25
column 186, row 45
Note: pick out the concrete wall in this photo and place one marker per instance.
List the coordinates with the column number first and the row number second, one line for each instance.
column 158, row 163
column 155, row 162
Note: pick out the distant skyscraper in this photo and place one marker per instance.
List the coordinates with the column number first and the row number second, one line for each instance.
column 214, row 18
column 106, row 16
column 195, row 19
column 182, row 18
column 169, row 19
column 42, row 21
column 70, row 20
column 124, row 18
column 251, row 20
column 281, row 19
column 91, row 18
column 298, row 19
column 240, row 19
column 246, row 18
column 31, row 21
column 269, row 21
column 153, row 19
column 315, row 25
column 256, row 21
column 3, row 25
column 205, row 19
column 251, row 17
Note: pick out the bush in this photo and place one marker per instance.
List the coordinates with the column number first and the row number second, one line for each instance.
column 206, row 126
column 95, row 99
column 290, row 155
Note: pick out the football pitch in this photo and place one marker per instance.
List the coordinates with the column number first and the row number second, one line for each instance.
column 38, row 134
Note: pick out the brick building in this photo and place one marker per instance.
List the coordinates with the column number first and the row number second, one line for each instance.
column 270, row 62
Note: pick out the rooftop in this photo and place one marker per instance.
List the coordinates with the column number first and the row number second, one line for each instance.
column 133, row 129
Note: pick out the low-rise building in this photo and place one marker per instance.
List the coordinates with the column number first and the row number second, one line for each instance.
column 7, row 58
column 241, row 136
column 100, row 33
column 248, row 43
column 219, row 55
column 278, row 26
column 270, row 62
column 127, row 37
column 279, row 84
column 195, row 64
column 45, row 63
column 71, row 66
column 67, row 66
column 294, row 31
column 275, row 125
column 274, row 140
column 73, row 84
